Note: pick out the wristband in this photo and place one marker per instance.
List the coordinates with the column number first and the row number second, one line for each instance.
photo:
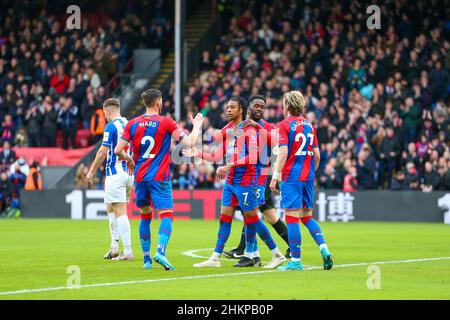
column 276, row 175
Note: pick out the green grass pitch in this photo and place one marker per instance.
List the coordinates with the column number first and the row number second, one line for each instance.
column 36, row 254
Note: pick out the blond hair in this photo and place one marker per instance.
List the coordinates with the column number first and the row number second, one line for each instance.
column 294, row 102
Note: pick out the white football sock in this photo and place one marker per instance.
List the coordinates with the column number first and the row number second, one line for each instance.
column 249, row 255
column 323, row 245
column 123, row 225
column 113, row 230
column 215, row 256
column 276, row 252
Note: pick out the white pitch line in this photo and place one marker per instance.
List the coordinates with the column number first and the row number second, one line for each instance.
column 220, row 275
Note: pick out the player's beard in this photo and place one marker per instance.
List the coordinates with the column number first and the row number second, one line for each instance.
column 256, row 116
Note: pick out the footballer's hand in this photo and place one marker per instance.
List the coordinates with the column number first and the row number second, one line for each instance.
column 250, row 123
column 274, row 186
column 238, row 132
column 222, row 171
column 89, row 177
column 130, row 165
column 191, row 152
column 198, row 120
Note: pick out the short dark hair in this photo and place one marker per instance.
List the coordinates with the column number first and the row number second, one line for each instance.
column 256, row 97
column 150, row 96
column 242, row 103
column 111, row 102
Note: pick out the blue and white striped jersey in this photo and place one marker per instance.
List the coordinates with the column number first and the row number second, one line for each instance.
column 113, row 131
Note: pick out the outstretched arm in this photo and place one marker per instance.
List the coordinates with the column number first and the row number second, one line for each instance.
column 252, row 157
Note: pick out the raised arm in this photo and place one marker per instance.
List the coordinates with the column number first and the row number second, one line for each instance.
column 189, row 140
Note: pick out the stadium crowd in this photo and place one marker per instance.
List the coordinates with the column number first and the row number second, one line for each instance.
column 379, row 99
column 54, row 80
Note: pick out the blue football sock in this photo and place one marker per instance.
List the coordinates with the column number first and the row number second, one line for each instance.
column 164, row 232
column 250, row 238
column 314, row 229
column 263, row 232
column 295, row 237
column 224, row 233
column 145, row 237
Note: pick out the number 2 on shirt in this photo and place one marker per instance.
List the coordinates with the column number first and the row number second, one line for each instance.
column 147, row 153
column 300, row 151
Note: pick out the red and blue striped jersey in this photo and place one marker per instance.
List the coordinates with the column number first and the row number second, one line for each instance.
column 150, row 137
column 243, row 151
column 265, row 152
column 299, row 136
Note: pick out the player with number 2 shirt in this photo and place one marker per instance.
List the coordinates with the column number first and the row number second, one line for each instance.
column 150, row 136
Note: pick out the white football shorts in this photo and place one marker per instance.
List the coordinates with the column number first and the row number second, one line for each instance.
column 118, row 188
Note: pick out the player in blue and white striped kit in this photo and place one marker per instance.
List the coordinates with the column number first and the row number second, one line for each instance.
column 118, row 183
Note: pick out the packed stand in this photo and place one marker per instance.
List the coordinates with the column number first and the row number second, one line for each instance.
column 379, row 99
column 53, row 80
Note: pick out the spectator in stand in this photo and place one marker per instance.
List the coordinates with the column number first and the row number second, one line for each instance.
column 93, row 78
column 412, row 178
column 445, row 179
column 60, row 81
column 410, row 113
column 329, row 179
column 7, row 156
column 365, row 169
column 185, row 179
column 7, row 130
column 88, row 107
column 350, row 180
column 389, row 151
column 24, row 168
column 430, row 179
column 67, row 118
column 49, row 123
column 17, row 179
column 33, row 120
column 398, row 181
column 6, row 192
column 21, row 138
column 205, row 178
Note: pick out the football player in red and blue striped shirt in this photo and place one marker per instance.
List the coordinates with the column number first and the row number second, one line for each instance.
column 296, row 164
column 257, row 104
column 150, row 136
column 240, row 173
